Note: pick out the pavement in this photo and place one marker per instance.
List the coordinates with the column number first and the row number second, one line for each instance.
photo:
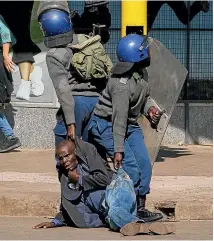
column 20, row 228
column 182, row 180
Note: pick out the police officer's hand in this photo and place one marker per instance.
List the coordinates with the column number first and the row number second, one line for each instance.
column 71, row 132
column 154, row 116
column 73, row 175
column 118, row 157
column 44, row 225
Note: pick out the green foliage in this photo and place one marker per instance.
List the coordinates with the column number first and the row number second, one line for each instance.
column 36, row 34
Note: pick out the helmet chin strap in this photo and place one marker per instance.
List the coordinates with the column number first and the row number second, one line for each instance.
column 145, row 43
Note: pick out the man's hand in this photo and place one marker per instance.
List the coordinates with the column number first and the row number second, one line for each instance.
column 8, row 63
column 154, row 116
column 73, row 176
column 44, row 225
column 118, row 157
column 71, row 132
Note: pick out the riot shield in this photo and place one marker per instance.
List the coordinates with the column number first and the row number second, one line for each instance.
column 166, row 76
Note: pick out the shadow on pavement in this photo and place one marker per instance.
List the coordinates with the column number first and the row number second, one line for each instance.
column 171, row 152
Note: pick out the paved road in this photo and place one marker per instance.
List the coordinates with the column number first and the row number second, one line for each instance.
column 20, row 228
column 183, row 176
column 172, row 161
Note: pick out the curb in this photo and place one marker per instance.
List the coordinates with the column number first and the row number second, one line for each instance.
column 38, row 194
column 183, row 210
column 47, row 206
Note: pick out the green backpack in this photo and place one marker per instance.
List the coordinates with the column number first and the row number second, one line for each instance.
column 90, row 59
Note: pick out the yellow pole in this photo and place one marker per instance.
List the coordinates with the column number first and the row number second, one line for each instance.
column 134, row 17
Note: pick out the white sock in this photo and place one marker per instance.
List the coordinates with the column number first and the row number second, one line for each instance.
column 23, row 92
column 37, row 86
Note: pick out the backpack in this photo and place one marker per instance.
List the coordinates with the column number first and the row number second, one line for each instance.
column 90, row 59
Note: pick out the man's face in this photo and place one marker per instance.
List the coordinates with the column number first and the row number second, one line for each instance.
column 67, row 158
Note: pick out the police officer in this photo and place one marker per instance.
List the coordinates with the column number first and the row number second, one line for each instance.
column 114, row 128
column 77, row 97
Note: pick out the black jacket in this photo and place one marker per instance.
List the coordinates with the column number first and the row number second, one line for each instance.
column 6, row 82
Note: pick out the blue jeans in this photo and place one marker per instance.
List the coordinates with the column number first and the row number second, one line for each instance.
column 120, row 201
column 5, row 126
column 84, row 107
column 136, row 160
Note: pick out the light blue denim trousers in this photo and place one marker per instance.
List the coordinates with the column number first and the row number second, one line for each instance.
column 120, row 201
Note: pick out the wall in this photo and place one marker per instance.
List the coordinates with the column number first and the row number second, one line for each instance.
column 34, row 126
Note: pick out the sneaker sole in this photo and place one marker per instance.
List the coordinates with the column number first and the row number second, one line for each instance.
column 161, row 228
column 11, row 148
column 131, row 229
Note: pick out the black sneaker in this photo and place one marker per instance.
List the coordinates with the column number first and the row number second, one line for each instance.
column 205, row 6
column 9, row 144
column 148, row 216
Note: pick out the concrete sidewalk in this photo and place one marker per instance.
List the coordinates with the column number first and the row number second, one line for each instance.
column 20, row 228
column 182, row 181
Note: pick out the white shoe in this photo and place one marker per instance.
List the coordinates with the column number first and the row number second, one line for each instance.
column 37, row 86
column 23, row 92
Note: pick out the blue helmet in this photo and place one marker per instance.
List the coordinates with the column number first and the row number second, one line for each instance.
column 131, row 49
column 55, row 22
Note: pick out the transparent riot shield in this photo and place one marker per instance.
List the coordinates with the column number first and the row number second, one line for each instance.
column 166, row 77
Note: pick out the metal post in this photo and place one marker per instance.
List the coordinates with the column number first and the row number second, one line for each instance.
column 134, row 17
column 187, row 134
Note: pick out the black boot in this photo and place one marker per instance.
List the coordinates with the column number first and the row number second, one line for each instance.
column 145, row 214
column 9, row 144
